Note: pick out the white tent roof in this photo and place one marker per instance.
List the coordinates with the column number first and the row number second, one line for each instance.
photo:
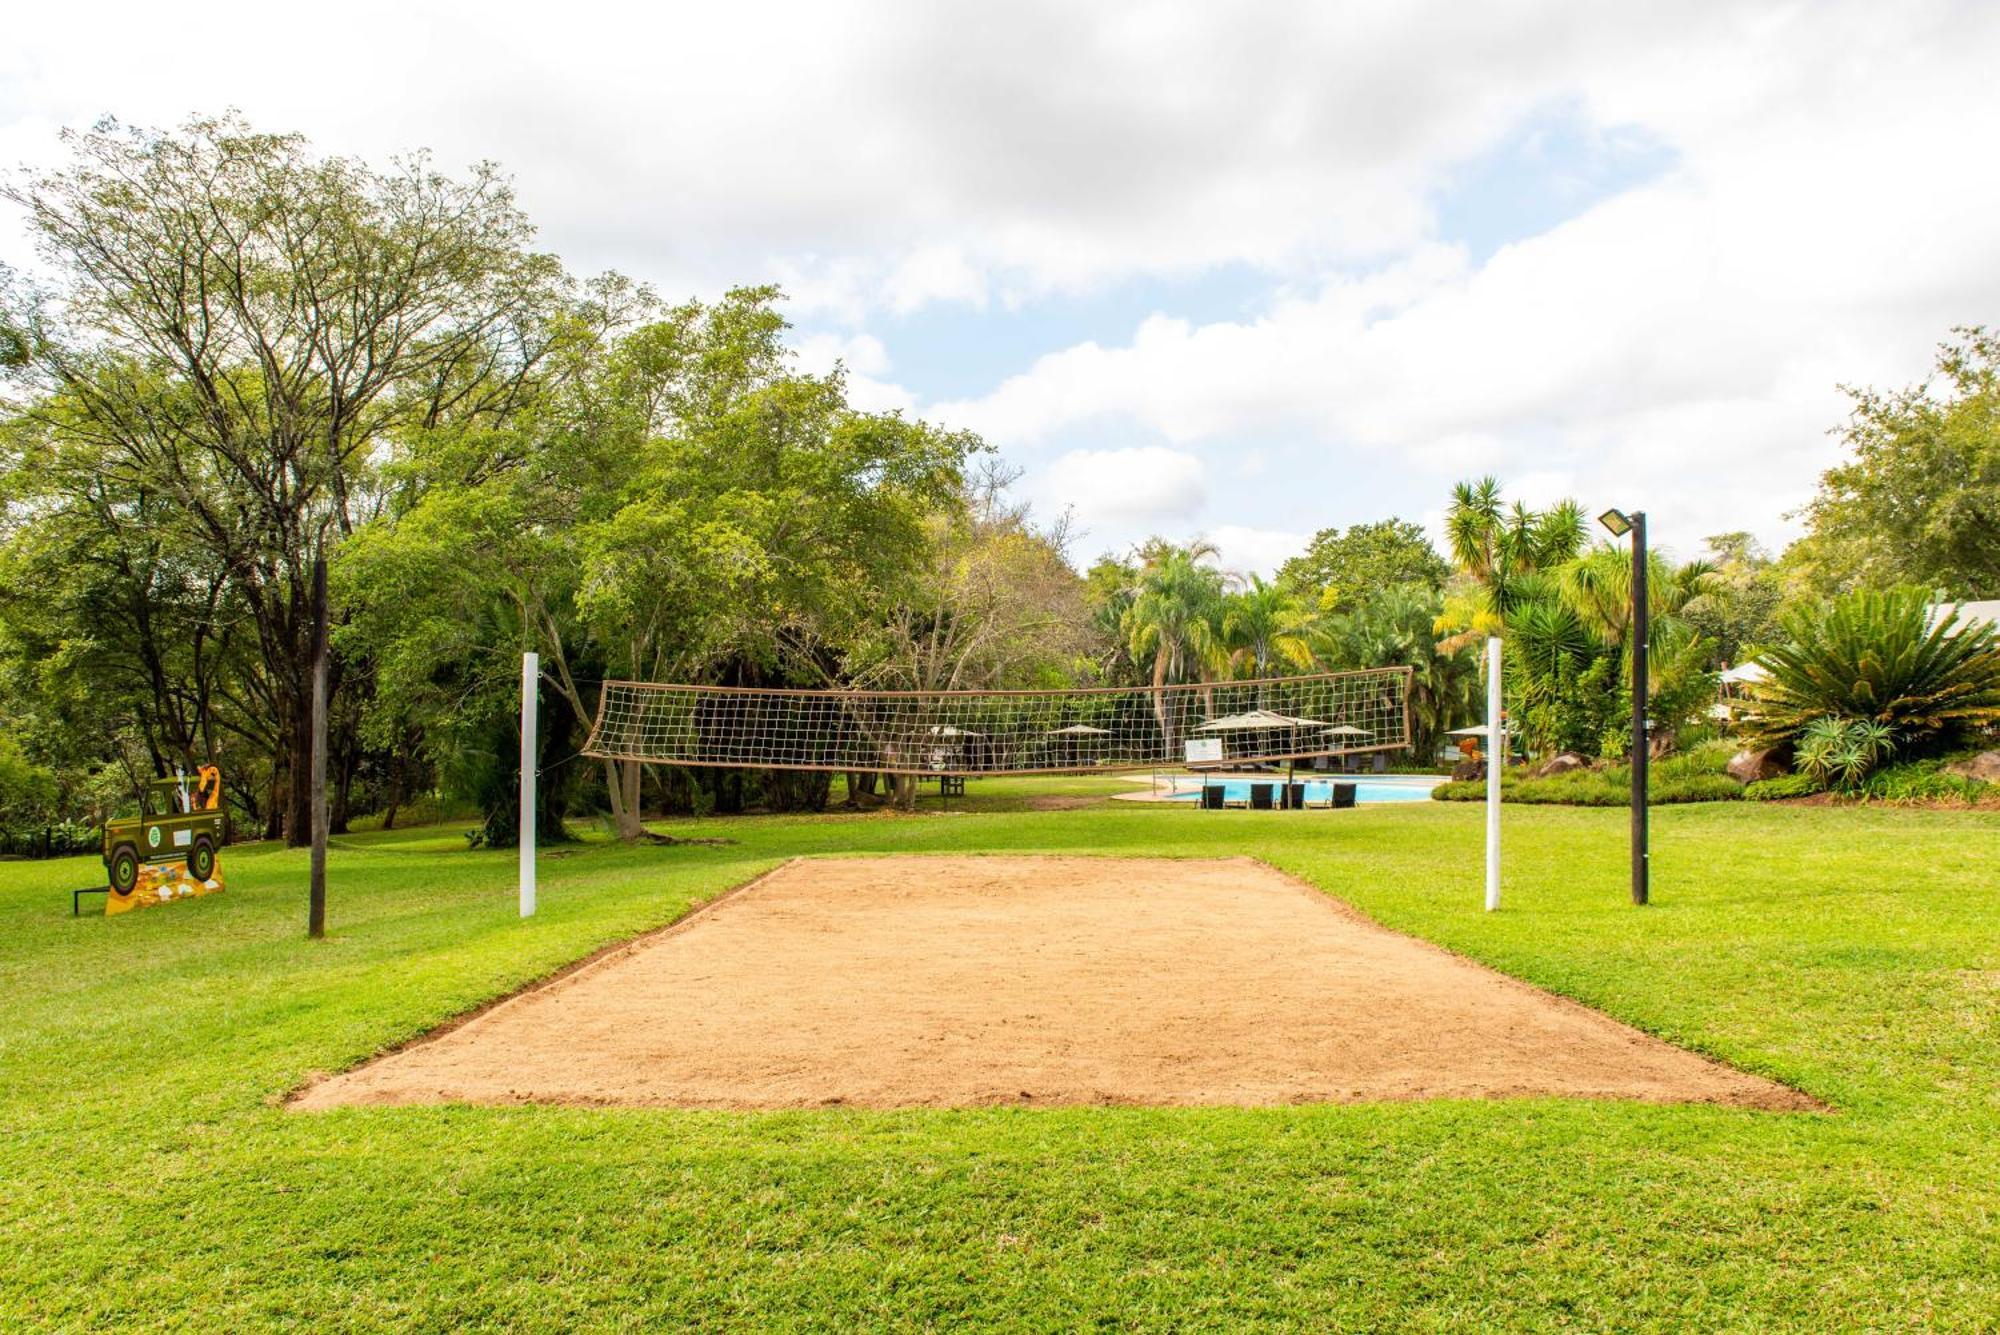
column 1256, row 719
column 1985, row 612
column 1751, row 671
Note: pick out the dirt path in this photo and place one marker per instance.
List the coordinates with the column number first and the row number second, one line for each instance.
column 954, row 981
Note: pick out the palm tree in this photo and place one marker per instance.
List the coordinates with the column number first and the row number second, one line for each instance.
column 1175, row 619
column 1506, row 556
column 1265, row 626
column 1395, row 627
column 1598, row 585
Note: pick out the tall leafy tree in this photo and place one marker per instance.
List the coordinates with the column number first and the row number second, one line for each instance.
column 1339, row 570
column 1396, row 626
column 1174, row 622
column 1265, row 628
column 1918, row 500
column 244, row 327
column 680, row 504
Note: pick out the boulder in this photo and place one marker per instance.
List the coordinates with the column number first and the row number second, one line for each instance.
column 1560, row 764
column 1468, row 771
column 1984, row 766
column 1752, row 766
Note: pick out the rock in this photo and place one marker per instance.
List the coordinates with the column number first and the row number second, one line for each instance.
column 1984, row 766
column 1751, row 766
column 1468, row 771
column 1560, row 764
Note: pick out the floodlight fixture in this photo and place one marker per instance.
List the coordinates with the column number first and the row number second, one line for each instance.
column 1616, row 521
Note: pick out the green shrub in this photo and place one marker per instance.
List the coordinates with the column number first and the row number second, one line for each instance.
column 1839, row 752
column 1784, row 786
column 1601, row 788
column 1925, row 781
column 1874, row 657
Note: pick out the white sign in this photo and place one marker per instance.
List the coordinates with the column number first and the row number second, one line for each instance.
column 1202, row 750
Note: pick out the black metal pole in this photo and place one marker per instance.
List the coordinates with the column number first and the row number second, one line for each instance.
column 1641, row 743
column 316, row 891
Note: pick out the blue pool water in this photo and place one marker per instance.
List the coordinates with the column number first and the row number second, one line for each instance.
column 1320, row 791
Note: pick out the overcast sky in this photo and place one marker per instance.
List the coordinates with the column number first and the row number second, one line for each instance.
column 1241, row 270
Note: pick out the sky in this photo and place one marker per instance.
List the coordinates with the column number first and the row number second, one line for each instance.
column 1240, row 270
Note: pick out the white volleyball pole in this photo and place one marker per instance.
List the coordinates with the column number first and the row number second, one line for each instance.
column 1496, row 761
column 531, row 680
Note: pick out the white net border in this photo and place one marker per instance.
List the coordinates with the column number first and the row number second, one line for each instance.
column 1093, row 729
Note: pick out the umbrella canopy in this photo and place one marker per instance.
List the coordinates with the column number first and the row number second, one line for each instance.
column 1257, row 719
column 1475, row 730
column 1348, row 730
column 1753, row 671
column 953, row 730
column 1080, row 730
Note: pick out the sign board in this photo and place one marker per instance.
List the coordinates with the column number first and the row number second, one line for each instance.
column 1204, row 750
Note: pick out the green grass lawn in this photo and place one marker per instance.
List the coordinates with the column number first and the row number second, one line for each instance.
column 149, row 1177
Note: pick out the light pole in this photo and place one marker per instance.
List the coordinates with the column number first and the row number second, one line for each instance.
column 1619, row 525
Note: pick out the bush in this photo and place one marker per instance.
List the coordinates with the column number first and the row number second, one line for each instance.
column 1607, row 787
column 1782, row 787
column 1874, row 658
column 1839, row 752
column 1926, row 781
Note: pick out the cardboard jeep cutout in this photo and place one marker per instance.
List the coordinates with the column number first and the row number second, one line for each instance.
column 171, row 849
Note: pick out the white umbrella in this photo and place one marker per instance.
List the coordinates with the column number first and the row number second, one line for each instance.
column 1255, row 720
column 1080, row 730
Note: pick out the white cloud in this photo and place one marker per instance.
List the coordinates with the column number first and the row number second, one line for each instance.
column 886, row 155
column 1827, row 216
column 1677, row 347
column 1126, row 489
column 1256, row 550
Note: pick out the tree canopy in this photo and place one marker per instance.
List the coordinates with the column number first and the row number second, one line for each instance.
column 1918, row 500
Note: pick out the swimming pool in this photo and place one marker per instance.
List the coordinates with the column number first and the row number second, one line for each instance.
column 1320, row 791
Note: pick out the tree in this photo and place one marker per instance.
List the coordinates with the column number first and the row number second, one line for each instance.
column 1174, row 620
column 244, row 328
column 1109, row 588
column 1505, row 557
column 1396, row 626
column 991, row 604
column 1264, row 628
column 1339, row 570
column 676, row 503
column 1918, row 502
column 1736, row 611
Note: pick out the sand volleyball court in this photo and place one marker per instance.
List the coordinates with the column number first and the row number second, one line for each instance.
column 935, row 982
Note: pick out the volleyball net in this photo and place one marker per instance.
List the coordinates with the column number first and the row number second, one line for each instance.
column 1006, row 732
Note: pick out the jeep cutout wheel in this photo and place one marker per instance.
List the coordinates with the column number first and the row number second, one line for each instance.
column 124, row 868
column 201, row 858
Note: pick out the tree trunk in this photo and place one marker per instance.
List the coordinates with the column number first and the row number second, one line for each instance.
column 621, row 782
column 298, row 771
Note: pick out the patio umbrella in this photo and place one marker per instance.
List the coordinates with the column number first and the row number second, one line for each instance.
column 1077, row 732
column 1255, row 720
column 1263, row 720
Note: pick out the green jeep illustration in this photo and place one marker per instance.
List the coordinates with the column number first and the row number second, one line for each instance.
column 180, row 819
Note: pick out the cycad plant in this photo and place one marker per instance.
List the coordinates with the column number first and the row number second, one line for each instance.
column 1876, row 657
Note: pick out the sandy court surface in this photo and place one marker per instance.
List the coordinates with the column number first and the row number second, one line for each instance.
column 955, row 981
